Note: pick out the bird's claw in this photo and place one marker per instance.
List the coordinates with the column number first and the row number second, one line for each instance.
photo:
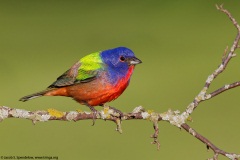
column 121, row 115
column 94, row 117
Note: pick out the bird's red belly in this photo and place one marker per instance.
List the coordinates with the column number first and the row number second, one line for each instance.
column 95, row 93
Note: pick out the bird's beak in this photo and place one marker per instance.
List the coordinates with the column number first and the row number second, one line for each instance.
column 133, row 61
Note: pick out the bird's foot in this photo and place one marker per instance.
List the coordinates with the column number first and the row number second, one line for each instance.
column 95, row 112
column 117, row 111
column 116, row 116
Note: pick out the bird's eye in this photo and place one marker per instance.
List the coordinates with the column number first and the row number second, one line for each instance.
column 122, row 58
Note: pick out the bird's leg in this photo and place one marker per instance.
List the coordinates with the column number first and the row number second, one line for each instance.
column 94, row 111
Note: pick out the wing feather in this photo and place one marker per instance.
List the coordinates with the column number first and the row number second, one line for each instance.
column 70, row 76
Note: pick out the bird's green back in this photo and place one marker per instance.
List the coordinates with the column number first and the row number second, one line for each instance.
column 90, row 66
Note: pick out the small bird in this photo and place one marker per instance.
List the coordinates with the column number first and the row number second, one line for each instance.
column 95, row 79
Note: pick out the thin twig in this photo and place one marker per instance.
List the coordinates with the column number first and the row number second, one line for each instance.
column 224, row 88
column 225, row 54
column 209, row 144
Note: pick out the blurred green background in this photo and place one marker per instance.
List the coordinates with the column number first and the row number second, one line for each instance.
column 180, row 44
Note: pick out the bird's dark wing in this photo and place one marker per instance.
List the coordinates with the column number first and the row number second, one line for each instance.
column 70, row 77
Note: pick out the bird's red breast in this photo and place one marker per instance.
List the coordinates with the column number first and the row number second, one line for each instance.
column 96, row 92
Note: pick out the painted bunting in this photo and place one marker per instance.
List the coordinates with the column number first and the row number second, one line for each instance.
column 95, row 79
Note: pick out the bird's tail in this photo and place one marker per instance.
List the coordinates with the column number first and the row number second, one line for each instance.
column 35, row 95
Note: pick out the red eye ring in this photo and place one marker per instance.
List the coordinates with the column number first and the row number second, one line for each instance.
column 122, row 58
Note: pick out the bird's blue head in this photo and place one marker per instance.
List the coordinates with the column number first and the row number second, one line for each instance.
column 119, row 60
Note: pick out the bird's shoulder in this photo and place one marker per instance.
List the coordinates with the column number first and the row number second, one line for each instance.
column 90, row 66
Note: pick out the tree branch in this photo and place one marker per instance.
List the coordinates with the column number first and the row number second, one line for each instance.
column 105, row 114
column 173, row 117
column 202, row 96
column 209, row 144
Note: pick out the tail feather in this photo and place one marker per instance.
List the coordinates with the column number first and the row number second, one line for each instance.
column 34, row 95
